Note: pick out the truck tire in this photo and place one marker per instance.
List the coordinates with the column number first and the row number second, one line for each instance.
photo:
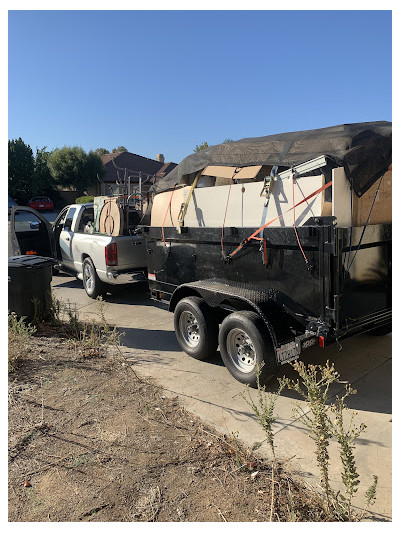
column 93, row 286
column 196, row 327
column 246, row 348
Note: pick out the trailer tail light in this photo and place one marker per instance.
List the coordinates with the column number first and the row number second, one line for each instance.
column 111, row 254
column 321, row 341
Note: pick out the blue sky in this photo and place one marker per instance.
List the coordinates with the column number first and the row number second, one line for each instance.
column 164, row 81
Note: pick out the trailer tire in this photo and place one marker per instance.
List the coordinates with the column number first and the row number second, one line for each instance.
column 246, row 348
column 196, row 327
column 92, row 284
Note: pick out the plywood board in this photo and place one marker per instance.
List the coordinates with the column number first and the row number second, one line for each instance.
column 246, row 208
column 382, row 210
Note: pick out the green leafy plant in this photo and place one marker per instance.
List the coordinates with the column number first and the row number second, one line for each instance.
column 370, row 494
column 200, row 147
column 326, row 421
column 314, row 388
column 346, row 437
column 264, row 409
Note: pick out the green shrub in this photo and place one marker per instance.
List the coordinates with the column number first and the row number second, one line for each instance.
column 84, row 200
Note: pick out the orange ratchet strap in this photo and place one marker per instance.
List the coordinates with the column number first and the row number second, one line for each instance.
column 253, row 235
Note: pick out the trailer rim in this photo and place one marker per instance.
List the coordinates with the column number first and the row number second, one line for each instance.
column 189, row 328
column 241, row 351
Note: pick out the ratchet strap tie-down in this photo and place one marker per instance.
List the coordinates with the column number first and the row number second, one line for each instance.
column 253, row 236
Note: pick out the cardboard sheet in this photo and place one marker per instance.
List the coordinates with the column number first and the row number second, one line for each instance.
column 227, row 172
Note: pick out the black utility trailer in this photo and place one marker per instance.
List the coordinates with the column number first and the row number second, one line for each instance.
column 270, row 312
column 264, row 294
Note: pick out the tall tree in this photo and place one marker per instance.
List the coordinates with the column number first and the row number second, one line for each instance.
column 71, row 166
column 102, row 151
column 200, row 147
column 42, row 182
column 119, row 149
column 20, row 170
column 93, row 167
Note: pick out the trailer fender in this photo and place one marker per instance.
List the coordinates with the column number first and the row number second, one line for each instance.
column 218, row 294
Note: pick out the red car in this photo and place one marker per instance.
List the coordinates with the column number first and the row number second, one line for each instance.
column 41, row 203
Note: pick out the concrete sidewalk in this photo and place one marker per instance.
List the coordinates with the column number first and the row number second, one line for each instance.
column 208, row 390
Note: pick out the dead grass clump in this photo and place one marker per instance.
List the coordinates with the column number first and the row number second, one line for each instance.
column 19, row 338
column 87, row 339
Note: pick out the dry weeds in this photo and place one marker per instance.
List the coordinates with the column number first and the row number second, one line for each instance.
column 95, row 442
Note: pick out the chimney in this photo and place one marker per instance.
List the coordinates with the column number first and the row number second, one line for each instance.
column 160, row 158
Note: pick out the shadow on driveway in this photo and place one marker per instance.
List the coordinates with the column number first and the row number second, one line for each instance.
column 149, row 339
column 370, row 375
column 133, row 294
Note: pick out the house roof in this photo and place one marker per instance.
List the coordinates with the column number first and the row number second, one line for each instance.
column 134, row 164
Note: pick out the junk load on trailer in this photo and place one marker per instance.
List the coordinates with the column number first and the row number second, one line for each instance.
column 284, row 240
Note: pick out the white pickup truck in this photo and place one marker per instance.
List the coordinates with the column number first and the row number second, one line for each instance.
column 99, row 260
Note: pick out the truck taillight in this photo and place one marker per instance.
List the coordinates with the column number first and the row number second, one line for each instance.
column 111, row 254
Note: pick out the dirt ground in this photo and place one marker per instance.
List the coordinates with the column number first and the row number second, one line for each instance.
column 90, row 440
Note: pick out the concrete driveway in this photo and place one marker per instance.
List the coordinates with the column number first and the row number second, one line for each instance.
column 208, row 390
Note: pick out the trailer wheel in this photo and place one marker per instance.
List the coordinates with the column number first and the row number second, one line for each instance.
column 196, row 327
column 92, row 284
column 246, row 348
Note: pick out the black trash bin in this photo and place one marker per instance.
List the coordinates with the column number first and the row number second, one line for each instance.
column 29, row 278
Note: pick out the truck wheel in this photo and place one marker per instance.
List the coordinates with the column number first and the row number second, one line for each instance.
column 196, row 328
column 93, row 286
column 246, row 348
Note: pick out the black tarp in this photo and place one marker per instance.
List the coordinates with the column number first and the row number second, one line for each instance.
column 363, row 149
